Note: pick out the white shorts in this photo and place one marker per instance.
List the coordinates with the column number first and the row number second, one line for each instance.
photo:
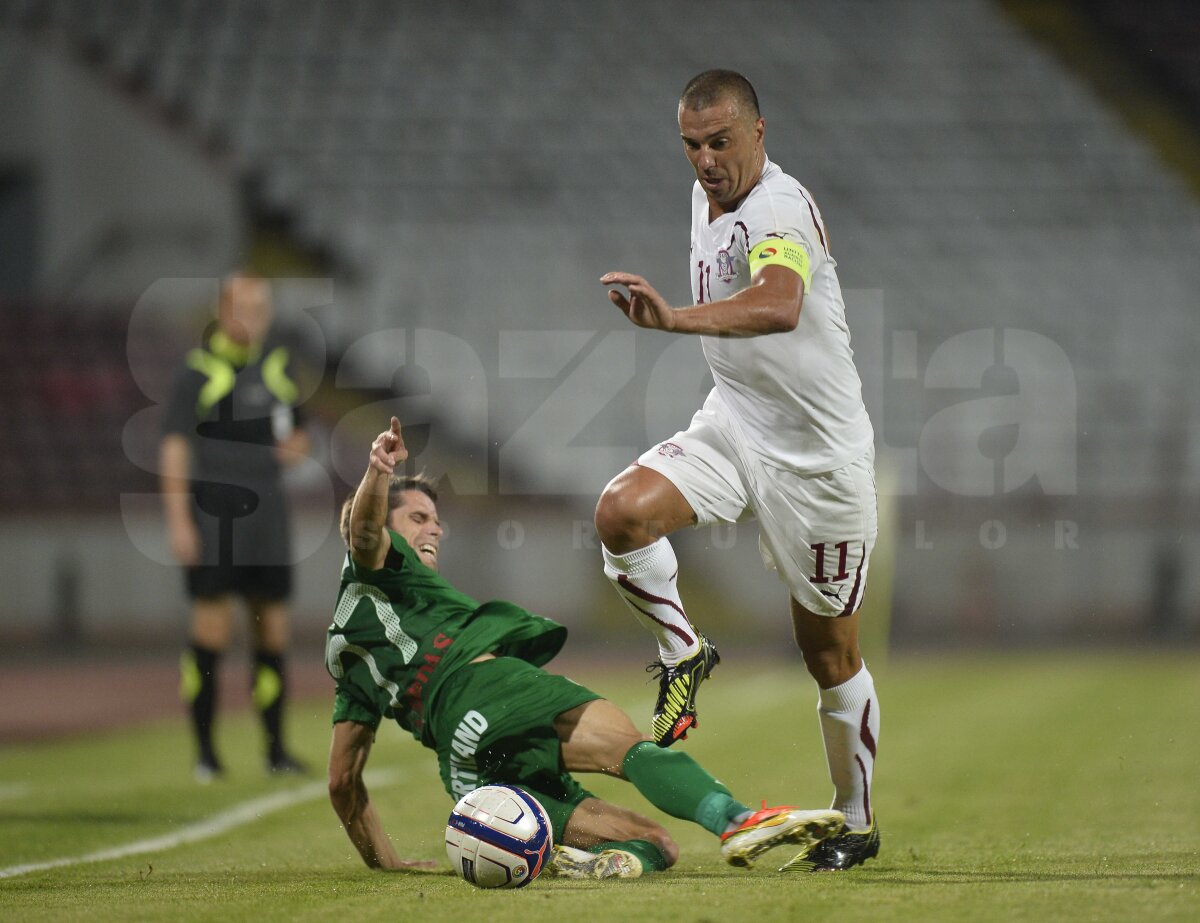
column 817, row 531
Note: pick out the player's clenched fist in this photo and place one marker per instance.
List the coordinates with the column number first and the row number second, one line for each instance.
column 387, row 451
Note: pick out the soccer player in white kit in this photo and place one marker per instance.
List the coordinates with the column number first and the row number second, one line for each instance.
column 783, row 437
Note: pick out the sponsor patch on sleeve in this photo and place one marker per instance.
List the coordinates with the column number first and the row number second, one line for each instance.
column 775, row 251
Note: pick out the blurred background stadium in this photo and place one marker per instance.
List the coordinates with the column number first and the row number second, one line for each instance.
column 1011, row 190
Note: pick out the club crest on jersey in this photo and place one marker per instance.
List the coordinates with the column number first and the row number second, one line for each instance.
column 670, row 449
column 724, row 266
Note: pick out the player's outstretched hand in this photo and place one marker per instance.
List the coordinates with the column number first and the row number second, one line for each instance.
column 644, row 306
column 387, row 451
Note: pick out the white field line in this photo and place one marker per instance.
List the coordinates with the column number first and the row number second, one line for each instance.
column 239, row 815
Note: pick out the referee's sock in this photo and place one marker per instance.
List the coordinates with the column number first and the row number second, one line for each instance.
column 645, row 580
column 198, row 689
column 269, row 691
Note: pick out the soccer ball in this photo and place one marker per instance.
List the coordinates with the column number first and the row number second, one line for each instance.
column 498, row 837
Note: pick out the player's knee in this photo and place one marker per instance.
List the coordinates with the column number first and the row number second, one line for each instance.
column 610, row 518
column 623, row 514
column 617, row 748
column 830, row 666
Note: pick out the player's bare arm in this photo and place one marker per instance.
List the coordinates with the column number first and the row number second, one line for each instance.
column 368, row 537
column 770, row 304
column 348, row 792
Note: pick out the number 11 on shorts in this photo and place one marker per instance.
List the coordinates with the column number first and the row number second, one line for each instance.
column 843, row 549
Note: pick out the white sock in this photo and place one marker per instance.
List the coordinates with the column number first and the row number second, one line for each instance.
column 645, row 579
column 849, row 716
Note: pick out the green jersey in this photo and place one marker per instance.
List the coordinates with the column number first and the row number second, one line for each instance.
column 400, row 631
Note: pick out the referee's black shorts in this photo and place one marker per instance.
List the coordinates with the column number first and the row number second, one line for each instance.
column 245, row 541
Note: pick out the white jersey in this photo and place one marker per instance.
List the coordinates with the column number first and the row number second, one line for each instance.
column 796, row 396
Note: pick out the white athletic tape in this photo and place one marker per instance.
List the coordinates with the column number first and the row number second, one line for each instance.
column 237, row 816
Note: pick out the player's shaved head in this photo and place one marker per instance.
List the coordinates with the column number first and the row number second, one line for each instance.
column 715, row 86
column 722, row 133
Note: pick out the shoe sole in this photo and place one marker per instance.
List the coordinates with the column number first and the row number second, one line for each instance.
column 807, row 828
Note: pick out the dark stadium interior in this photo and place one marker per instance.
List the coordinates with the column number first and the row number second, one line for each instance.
column 1009, row 233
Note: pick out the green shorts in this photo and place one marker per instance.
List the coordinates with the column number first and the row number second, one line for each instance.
column 493, row 722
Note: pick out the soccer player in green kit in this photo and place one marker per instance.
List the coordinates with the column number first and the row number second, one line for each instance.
column 465, row 680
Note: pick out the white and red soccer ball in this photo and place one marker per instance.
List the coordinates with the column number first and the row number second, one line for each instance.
column 499, row 837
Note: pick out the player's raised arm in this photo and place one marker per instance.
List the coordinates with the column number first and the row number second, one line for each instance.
column 770, row 304
column 368, row 514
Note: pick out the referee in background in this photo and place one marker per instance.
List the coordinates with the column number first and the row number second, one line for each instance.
column 231, row 426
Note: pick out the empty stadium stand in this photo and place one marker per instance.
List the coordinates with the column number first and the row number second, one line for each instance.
column 478, row 165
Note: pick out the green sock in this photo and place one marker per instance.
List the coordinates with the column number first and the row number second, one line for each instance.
column 677, row 785
column 652, row 860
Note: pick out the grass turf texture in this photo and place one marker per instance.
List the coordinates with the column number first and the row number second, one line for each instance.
column 1009, row 787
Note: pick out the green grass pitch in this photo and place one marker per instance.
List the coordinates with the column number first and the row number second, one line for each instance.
column 1010, row 787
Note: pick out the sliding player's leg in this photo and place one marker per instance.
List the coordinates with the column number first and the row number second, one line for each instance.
column 599, row 737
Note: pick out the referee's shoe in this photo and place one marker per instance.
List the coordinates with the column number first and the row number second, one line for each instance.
column 284, row 763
